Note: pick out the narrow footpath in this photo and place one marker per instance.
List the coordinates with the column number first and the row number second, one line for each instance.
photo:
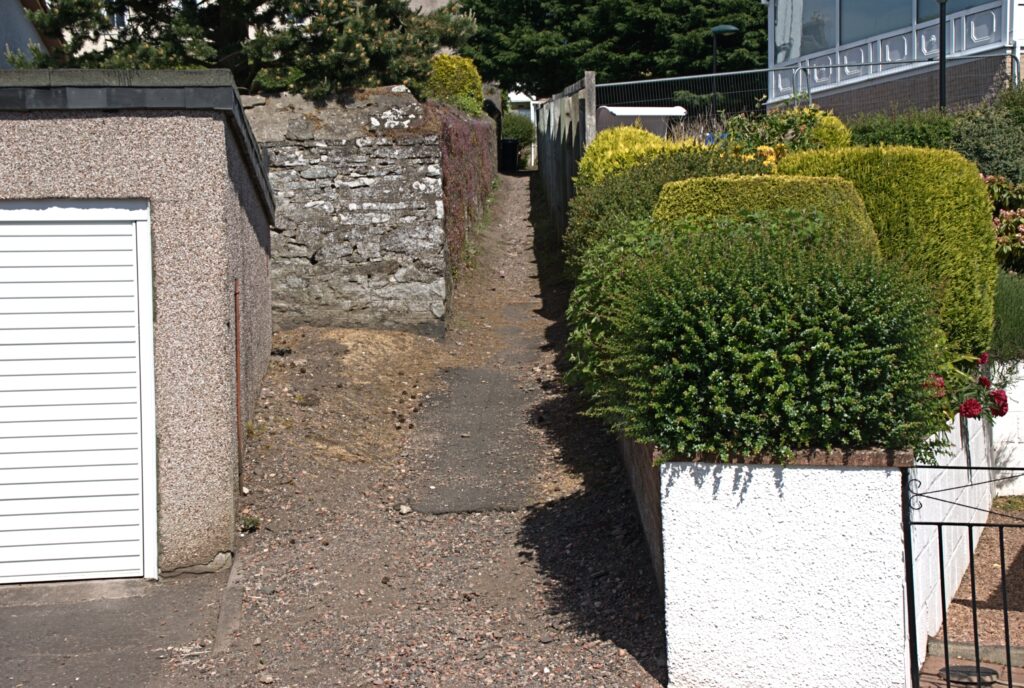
column 418, row 513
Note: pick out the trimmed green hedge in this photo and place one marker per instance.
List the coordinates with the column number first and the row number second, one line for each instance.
column 1008, row 338
column 615, row 150
column 932, row 214
column 518, row 127
column 786, row 129
column 630, row 195
column 734, row 195
column 455, row 80
column 758, row 335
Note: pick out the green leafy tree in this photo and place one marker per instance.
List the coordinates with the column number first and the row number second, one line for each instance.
column 315, row 47
column 542, row 46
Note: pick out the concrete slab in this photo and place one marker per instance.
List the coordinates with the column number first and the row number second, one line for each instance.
column 109, row 633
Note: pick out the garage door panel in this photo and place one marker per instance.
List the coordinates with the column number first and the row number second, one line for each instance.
column 125, row 377
column 27, row 353
column 71, row 378
column 48, row 507
column 73, row 569
column 67, row 412
column 48, row 319
column 94, row 242
column 80, row 473
column 64, row 550
column 69, row 521
column 56, row 536
column 65, row 489
column 100, row 286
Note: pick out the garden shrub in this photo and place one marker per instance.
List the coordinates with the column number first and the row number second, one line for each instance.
column 933, row 216
column 754, row 336
column 919, row 128
column 1008, row 200
column 1008, row 338
column 733, row 195
column 518, row 127
column 630, row 195
column 787, row 129
column 615, row 150
column 456, row 81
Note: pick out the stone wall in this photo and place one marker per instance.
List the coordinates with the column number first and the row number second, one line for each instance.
column 360, row 236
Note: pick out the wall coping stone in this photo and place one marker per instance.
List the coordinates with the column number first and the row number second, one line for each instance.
column 820, row 458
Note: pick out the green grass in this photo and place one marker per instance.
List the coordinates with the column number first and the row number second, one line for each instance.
column 1008, row 338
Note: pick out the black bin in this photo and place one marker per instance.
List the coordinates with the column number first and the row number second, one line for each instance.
column 508, row 159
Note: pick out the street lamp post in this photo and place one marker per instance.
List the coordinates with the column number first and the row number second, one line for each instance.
column 716, row 31
column 942, row 54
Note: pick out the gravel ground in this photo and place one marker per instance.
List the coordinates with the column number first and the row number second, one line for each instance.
column 345, row 584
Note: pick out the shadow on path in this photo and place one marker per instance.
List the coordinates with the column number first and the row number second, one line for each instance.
column 591, row 542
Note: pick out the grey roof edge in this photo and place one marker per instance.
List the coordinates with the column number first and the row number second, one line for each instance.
column 35, row 90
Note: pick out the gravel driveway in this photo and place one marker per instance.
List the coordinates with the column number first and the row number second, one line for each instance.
column 439, row 513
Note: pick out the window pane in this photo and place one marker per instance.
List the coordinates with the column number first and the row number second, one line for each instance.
column 862, row 19
column 929, row 9
column 803, row 27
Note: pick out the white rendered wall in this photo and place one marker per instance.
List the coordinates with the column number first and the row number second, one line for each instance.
column 962, row 491
column 1008, row 440
column 783, row 577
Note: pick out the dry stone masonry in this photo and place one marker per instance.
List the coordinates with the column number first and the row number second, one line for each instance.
column 360, row 232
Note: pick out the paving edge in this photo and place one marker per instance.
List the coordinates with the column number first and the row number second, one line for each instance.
column 229, row 618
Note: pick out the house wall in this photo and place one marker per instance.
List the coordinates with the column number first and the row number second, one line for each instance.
column 179, row 162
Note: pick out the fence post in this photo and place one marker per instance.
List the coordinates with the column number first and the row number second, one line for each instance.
column 590, row 93
column 807, row 80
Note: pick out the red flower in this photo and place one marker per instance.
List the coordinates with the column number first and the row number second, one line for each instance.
column 983, row 359
column 985, row 382
column 937, row 383
column 971, row 408
column 1000, row 404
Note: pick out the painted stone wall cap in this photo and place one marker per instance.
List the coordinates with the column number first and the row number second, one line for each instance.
column 837, row 458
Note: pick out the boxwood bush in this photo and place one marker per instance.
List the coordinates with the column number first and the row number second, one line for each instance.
column 617, row 149
column 742, row 337
column 631, row 194
column 933, row 216
column 833, row 197
column 455, row 80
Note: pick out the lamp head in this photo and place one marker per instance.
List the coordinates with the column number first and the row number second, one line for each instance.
column 724, row 29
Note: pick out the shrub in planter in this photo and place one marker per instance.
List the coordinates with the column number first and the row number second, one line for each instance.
column 518, row 127
column 739, row 337
column 733, row 195
column 790, row 129
column 617, row 149
column 933, row 216
column 456, row 81
column 630, row 195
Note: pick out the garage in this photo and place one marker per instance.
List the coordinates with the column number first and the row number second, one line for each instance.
column 76, row 392
column 135, row 327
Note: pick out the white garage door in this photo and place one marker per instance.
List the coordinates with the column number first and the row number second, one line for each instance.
column 77, row 450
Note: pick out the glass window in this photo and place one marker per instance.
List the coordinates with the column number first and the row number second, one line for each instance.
column 929, row 9
column 803, row 27
column 861, row 19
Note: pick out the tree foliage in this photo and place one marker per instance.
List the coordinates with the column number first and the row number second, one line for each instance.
column 315, row 47
column 542, row 46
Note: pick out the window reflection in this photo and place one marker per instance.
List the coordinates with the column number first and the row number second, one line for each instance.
column 861, row 19
column 929, row 9
column 803, row 27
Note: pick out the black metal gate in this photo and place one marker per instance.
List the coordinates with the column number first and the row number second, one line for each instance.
column 984, row 609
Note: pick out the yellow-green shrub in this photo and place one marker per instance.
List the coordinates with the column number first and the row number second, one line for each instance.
column 615, row 150
column 735, row 195
column 455, row 80
column 787, row 129
column 932, row 214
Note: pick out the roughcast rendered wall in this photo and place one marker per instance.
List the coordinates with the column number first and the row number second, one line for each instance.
column 783, row 577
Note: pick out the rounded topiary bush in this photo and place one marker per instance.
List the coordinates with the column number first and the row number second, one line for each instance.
column 615, row 150
column 608, row 207
column 933, row 216
column 787, row 129
column 742, row 337
column 732, row 195
column 455, row 80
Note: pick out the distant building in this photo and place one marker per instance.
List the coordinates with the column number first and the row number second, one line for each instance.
column 863, row 55
column 428, row 5
column 17, row 33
